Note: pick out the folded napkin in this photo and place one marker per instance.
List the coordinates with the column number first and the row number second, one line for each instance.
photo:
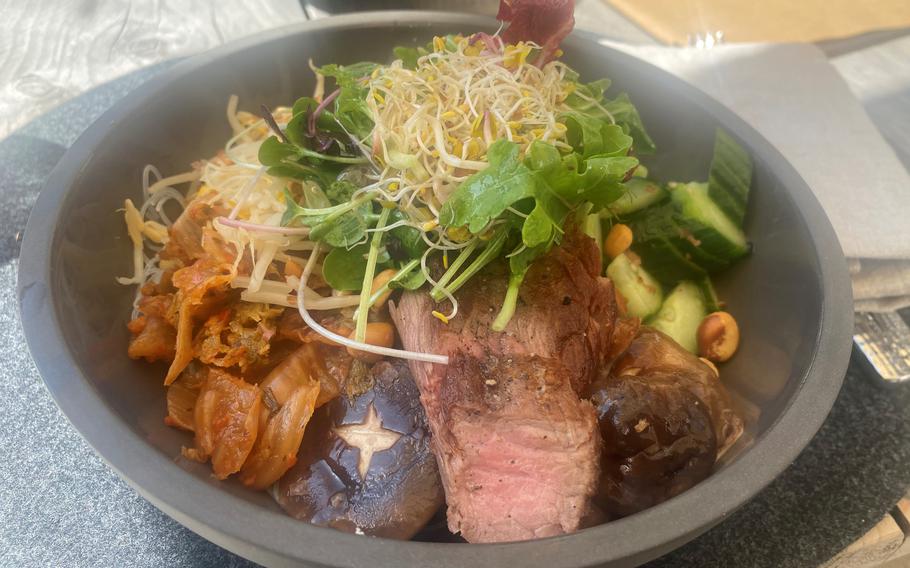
column 792, row 95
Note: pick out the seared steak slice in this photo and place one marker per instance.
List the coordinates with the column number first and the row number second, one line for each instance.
column 518, row 449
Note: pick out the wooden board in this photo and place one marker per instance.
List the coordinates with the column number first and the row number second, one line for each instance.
column 874, row 548
column 678, row 22
column 886, row 545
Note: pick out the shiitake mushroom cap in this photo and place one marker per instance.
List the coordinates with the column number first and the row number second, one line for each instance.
column 400, row 490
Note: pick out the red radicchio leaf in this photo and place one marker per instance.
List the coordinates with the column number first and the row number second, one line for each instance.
column 545, row 22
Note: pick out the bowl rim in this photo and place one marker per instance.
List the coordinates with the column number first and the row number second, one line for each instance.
column 272, row 538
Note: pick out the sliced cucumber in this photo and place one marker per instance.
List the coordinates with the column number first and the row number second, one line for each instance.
column 665, row 262
column 692, row 249
column 641, row 193
column 641, row 291
column 730, row 177
column 705, row 223
column 593, row 229
column 662, row 223
column 681, row 314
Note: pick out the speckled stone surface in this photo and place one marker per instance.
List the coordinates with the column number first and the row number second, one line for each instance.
column 60, row 505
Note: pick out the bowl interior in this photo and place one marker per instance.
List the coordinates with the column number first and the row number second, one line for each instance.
column 776, row 294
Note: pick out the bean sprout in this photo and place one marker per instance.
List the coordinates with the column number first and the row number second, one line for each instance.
column 341, row 340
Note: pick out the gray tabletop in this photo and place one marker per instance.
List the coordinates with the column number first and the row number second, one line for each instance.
column 60, row 505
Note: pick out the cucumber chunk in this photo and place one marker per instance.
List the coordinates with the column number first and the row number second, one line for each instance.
column 594, row 229
column 641, row 193
column 681, row 314
column 665, row 262
column 705, row 224
column 663, row 223
column 641, row 291
column 730, row 177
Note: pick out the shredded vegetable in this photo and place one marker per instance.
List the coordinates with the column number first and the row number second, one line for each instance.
column 341, row 340
column 452, row 156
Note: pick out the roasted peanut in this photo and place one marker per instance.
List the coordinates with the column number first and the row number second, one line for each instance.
column 379, row 281
column 718, row 337
column 618, row 240
column 291, row 268
column 711, row 365
column 377, row 333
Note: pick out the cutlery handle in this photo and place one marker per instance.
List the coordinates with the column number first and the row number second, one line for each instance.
column 882, row 342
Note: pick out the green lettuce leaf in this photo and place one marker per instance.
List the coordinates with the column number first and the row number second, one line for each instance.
column 408, row 56
column 597, row 180
column 284, row 160
column 343, row 269
column 626, row 115
column 486, row 194
column 345, row 226
column 340, row 191
column 589, row 101
column 404, row 241
column 350, row 109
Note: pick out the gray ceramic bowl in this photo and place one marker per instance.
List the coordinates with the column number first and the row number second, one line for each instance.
column 791, row 297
